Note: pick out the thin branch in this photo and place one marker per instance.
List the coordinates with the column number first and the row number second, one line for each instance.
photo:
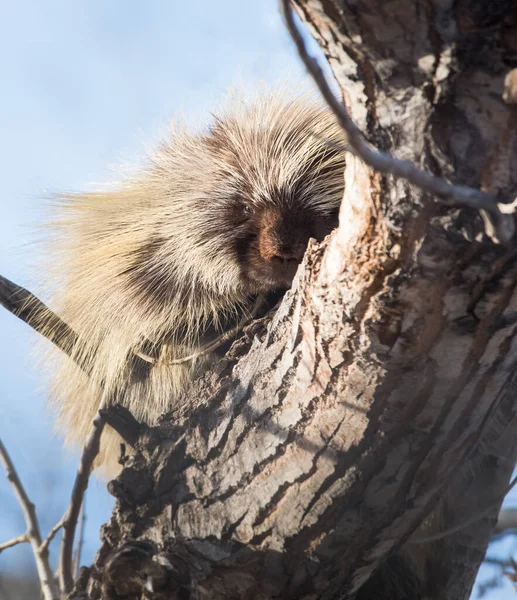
column 506, row 520
column 30, row 309
column 456, row 195
column 90, row 451
column 33, row 534
column 217, row 343
column 80, row 539
column 21, row 539
column 51, row 534
column 500, row 562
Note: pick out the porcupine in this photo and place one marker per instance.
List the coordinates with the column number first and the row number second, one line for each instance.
column 165, row 261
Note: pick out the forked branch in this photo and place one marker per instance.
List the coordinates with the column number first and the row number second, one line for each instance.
column 33, row 535
column 30, row 309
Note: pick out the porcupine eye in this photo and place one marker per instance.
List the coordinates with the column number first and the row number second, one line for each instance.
column 247, row 210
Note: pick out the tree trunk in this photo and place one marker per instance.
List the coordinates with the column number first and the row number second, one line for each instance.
column 378, row 403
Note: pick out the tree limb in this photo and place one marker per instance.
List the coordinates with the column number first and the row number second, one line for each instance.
column 21, row 539
column 33, row 535
column 52, row 533
column 503, row 224
column 30, row 309
column 90, row 451
column 507, row 520
column 80, row 540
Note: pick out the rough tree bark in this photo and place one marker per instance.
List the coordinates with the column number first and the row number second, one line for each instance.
column 382, row 392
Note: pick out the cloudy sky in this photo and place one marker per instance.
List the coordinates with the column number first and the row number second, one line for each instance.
column 88, row 85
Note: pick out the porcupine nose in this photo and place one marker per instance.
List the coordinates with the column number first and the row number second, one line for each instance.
column 288, row 254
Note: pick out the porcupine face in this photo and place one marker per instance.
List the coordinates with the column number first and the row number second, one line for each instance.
column 270, row 238
column 232, row 209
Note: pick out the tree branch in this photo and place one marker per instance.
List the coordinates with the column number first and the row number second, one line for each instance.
column 21, row 539
column 30, row 309
column 33, row 532
column 500, row 214
column 52, row 533
column 507, row 520
column 90, row 451
column 80, row 539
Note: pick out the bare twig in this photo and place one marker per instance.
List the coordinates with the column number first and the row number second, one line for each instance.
column 30, row 309
column 33, row 534
column 51, row 534
column 507, row 519
column 219, row 341
column 503, row 226
column 500, row 562
column 21, row 539
column 80, row 537
column 90, row 451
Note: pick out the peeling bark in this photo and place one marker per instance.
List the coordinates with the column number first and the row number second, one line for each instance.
column 377, row 406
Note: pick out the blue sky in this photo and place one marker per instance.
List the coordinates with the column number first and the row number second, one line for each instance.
column 87, row 85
